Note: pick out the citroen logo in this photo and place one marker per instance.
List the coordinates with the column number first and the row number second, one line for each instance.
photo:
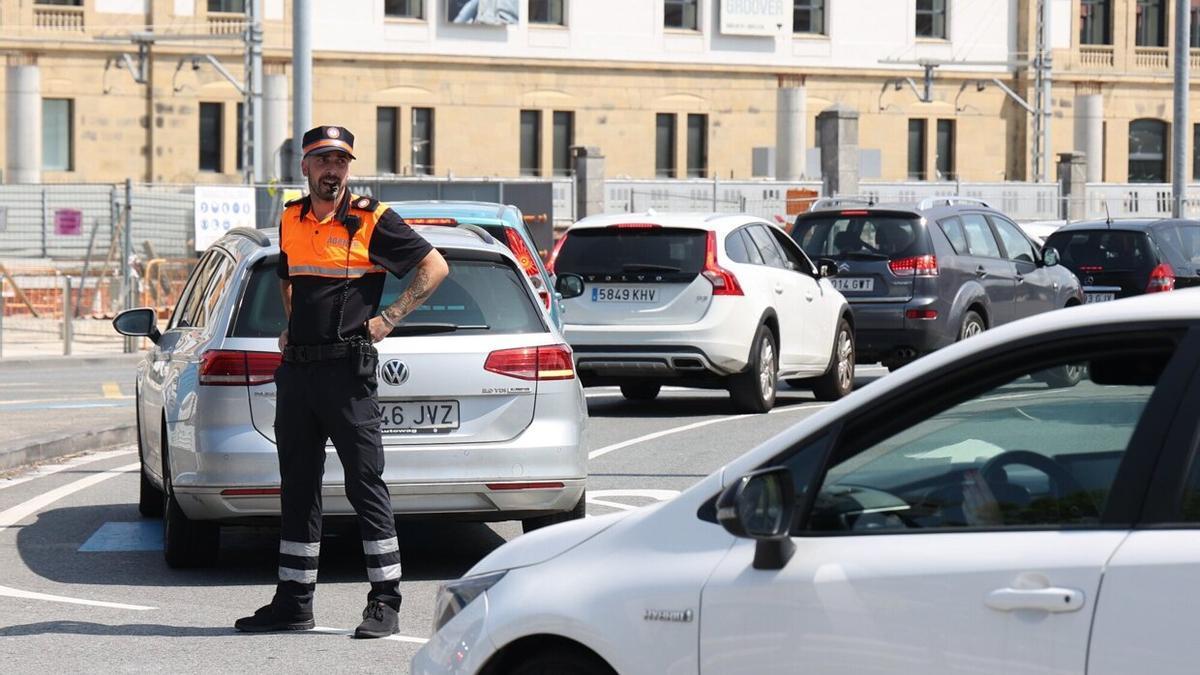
column 844, row 267
column 394, row 372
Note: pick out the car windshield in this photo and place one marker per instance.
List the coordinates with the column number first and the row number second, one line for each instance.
column 478, row 296
column 617, row 250
column 841, row 236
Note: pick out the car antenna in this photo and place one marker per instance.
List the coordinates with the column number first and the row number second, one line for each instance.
column 1107, row 215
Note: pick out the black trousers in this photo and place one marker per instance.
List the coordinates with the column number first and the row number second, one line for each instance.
column 316, row 402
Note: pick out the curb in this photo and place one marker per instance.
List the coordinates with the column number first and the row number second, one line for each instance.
column 29, row 362
column 67, row 444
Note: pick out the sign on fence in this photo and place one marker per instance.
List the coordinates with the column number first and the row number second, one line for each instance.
column 68, row 222
column 220, row 209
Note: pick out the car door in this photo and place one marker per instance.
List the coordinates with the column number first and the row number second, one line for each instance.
column 1036, row 289
column 1145, row 620
column 961, row 526
column 997, row 275
column 787, row 297
column 822, row 303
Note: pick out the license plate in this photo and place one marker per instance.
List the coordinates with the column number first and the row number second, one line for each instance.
column 849, row 284
column 1099, row 297
column 624, row 294
column 419, row 417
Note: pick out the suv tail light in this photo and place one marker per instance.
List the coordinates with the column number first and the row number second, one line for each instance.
column 227, row 368
column 432, row 221
column 916, row 266
column 723, row 281
column 554, row 253
column 552, row 362
column 1162, row 278
column 517, row 245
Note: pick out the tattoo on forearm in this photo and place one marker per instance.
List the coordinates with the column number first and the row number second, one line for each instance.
column 413, row 297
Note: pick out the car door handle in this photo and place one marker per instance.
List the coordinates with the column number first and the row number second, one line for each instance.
column 779, row 288
column 980, row 272
column 1020, row 278
column 1044, row 599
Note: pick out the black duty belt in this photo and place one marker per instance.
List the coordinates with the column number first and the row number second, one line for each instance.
column 308, row 353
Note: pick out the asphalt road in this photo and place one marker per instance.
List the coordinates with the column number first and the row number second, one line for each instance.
column 85, row 587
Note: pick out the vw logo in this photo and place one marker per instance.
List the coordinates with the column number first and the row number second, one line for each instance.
column 394, row 372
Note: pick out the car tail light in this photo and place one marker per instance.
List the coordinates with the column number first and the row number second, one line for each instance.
column 1091, row 268
column 636, row 226
column 1162, row 278
column 221, row 367
column 549, row 485
column 552, row 362
column 554, row 253
column 920, row 314
column 916, row 266
column 432, row 221
column 854, row 213
column 249, row 492
column 517, row 245
column 723, row 281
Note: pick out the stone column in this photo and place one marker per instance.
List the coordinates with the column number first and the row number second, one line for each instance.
column 791, row 139
column 1073, row 178
column 589, row 181
column 1089, row 133
column 839, row 151
column 23, row 97
column 275, row 125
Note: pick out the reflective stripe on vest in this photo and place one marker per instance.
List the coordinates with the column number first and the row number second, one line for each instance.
column 338, row 272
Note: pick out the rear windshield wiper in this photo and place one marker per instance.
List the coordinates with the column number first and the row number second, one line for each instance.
column 427, row 329
column 647, row 267
column 861, row 255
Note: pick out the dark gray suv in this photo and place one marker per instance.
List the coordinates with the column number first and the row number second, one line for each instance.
column 921, row 276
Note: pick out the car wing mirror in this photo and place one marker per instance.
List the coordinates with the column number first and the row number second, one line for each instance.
column 1049, row 256
column 826, row 267
column 138, row 322
column 569, row 285
column 761, row 505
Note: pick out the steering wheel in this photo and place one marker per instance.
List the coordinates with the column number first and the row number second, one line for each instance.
column 1064, row 483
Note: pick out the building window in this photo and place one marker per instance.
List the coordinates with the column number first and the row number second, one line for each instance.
column 422, row 141
column 564, row 138
column 1195, row 20
column 664, row 145
column 58, row 133
column 229, row 6
column 1195, row 152
column 1095, row 22
column 808, row 16
column 211, row 136
column 387, row 132
column 681, row 14
column 240, row 151
column 1147, row 151
column 64, row 3
column 931, row 19
column 916, row 149
column 945, row 150
column 531, row 142
column 697, row 146
column 404, row 9
column 547, row 12
column 1151, row 23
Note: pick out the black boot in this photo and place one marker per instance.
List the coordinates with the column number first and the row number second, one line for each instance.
column 379, row 620
column 270, row 619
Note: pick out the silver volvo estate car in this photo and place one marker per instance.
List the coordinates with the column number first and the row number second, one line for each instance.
column 482, row 413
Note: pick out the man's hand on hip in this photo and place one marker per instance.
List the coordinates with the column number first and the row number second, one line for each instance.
column 283, row 340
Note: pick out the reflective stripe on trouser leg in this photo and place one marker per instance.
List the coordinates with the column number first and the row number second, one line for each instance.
column 298, row 561
column 383, row 559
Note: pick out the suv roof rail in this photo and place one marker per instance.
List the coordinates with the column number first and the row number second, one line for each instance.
column 950, row 200
column 477, row 231
column 836, row 202
column 256, row 236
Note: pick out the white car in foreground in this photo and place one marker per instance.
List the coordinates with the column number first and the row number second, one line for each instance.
column 958, row 516
column 719, row 301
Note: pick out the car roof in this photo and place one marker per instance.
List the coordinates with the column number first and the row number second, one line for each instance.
column 717, row 222
column 929, row 207
column 437, row 235
column 1127, row 224
column 460, row 209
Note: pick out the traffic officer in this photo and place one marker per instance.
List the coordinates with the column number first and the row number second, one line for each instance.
column 335, row 252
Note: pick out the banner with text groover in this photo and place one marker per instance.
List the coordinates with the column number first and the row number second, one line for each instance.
column 219, row 209
column 754, row 17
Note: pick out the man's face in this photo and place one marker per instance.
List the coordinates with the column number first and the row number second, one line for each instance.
column 326, row 173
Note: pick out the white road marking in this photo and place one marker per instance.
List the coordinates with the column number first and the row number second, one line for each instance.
column 615, row 505
column 600, row 452
column 27, row 508
column 657, row 495
column 396, row 638
column 5, row 591
column 48, row 470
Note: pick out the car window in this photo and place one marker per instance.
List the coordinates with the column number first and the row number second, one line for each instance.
column 735, row 247
column 795, row 256
column 633, row 248
column 207, row 307
column 771, row 255
column 953, row 229
column 751, row 248
column 839, row 235
column 1032, row 451
column 1104, row 250
column 1016, row 245
column 1180, row 241
column 980, row 242
column 201, row 275
column 260, row 313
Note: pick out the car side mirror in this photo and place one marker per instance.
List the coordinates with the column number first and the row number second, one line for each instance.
column 138, row 322
column 569, row 285
column 1049, row 256
column 761, row 506
column 826, row 268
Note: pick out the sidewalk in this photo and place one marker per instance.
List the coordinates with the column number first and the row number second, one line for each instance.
column 51, row 404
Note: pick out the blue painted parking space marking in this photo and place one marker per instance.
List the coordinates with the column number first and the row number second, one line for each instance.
column 143, row 535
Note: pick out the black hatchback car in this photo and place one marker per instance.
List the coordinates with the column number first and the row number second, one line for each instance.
column 921, row 276
column 1122, row 258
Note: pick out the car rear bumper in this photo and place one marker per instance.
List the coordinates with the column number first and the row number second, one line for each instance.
column 882, row 333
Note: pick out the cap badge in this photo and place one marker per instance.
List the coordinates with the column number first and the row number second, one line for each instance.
column 332, row 132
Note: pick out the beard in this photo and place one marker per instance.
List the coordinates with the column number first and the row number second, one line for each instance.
column 324, row 187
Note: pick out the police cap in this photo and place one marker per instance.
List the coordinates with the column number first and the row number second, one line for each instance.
column 328, row 139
